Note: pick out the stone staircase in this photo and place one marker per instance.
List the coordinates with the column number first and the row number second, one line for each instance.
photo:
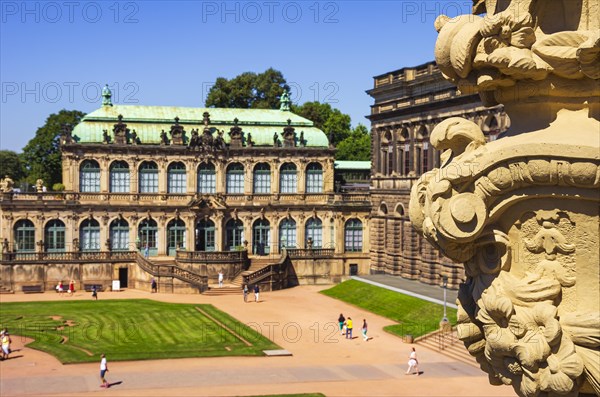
column 255, row 265
column 234, row 287
column 448, row 344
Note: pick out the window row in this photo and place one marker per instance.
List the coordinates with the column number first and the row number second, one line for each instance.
column 120, row 175
column 204, row 236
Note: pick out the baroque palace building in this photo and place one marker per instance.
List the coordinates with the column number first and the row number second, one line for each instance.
column 181, row 194
column 409, row 103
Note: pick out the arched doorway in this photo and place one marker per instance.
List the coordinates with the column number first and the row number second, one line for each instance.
column 205, row 235
column 147, row 235
column 261, row 237
column 175, row 236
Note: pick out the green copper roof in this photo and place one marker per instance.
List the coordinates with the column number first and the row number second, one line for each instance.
column 149, row 121
column 352, row 165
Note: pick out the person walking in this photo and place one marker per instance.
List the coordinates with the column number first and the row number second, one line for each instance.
column 220, row 279
column 413, row 363
column 256, row 293
column 364, row 330
column 146, row 251
column 153, row 285
column 6, row 341
column 103, row 371
column 349, row 326
column 94, row 292
column 246, row 293
column 341, row 321
column 60, row 288
column 71, row 288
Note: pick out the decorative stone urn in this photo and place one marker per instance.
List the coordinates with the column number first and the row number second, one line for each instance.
column 522, row 212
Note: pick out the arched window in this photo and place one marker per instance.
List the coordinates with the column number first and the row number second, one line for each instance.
column 288, row 178
column 314, row 231
column 89, row 176
column 89, row 235
column 262, row 179
column 234, row 234
column 353, row 235
column 119, row 177
column 176, row 179
column 24, row 236
column 119, row 235
column 147, row 236
column 235, row 179
column 54, row 236
column 261, row 237
column 175, row 236
column 405, row 152
column 287, row 233
column 314, row 178
column 205, row 235
column 207, row 178
column 148, row 177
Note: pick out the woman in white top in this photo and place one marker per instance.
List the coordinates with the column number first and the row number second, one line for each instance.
column 413, row 363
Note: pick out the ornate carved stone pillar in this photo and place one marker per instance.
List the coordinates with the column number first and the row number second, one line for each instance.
column 522, row 212
column 220, row 170
column 219, row 231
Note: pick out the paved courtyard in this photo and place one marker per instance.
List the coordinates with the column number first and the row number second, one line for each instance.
column 299, row 320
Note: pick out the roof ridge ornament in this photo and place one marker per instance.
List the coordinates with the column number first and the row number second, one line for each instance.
column 106, row 96
column 284, row 101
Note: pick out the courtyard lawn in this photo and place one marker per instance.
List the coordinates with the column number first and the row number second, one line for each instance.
column 139, row 329
column 414, row 316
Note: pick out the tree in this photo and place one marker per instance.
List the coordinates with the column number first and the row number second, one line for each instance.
column 356, row 147
column 335, row 123
column 248, row 91
column 41, row 155
column 10, row 164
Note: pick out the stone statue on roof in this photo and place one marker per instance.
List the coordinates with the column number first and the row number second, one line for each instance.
column 285, row 101
column 106, row 96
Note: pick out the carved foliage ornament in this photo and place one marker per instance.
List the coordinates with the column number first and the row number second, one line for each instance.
column 522, row 324
column 512, row 45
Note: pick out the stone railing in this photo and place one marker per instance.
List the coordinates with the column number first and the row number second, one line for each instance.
column 310, row 253
column 272, row 274
column 169, row 270
column 212, row 256
column 75, row 256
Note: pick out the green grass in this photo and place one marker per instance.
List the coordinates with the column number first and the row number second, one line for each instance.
column 129, row 330
column 414, row 316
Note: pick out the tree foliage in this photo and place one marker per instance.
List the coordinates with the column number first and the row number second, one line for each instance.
column 10, row 164
column 41, row 155
column 326, row 118
column 356, row 147
column 248, row 91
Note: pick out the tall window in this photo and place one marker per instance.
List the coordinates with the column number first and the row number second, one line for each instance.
column 119, row 177
column 287, row 233
column 407, row 159
column 314, row 178
column 24, row 236
column 205, row 235
column 234, row 233
column 148, row 177
column 89, row 176
column 176, row 179
column 235, row 179
column 353, row 235
column 89, row 235
column 261, row 237
column 119, row 235
column 425, row 157
column 262, row 179
column 314, row 230
column 207, row 178
column 288, row 178
column 147, row 235
column 175, row 236
column 54, row 236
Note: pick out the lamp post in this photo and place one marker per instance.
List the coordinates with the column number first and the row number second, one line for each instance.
column 445, row 286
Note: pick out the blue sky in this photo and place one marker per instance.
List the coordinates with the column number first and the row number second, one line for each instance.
column 58, row 54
